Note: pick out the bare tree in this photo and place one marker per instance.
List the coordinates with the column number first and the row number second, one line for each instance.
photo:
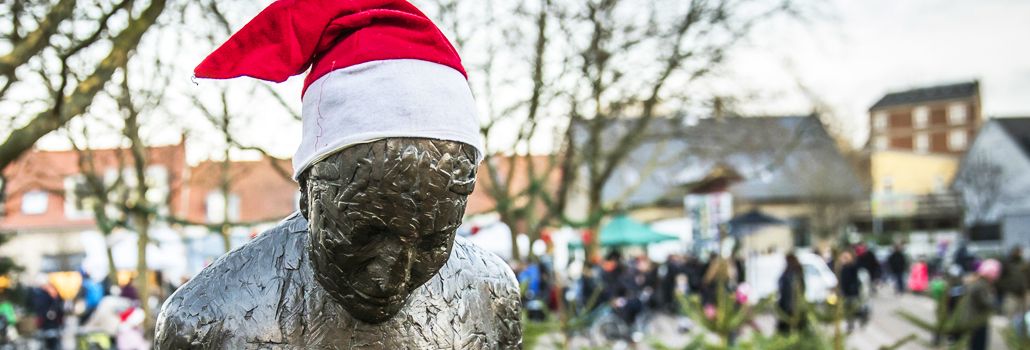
column 510, row 42
column 981, row 184
column 220, row 115
column 57, row 40
column 636, row 60
column 591, row 64
column 99, row 194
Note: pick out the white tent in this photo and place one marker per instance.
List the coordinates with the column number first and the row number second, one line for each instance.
column 679, row 227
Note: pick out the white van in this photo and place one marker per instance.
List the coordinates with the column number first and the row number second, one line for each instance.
column 763, row 274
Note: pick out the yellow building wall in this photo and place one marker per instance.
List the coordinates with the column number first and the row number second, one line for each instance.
column 912, row 173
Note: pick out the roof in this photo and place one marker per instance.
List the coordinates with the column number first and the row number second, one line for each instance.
column 481, row 201
column 746, row 224
column 266, row 194
column 782, row 158
column 46, row 171
column 1018, row 129
column 927, row 94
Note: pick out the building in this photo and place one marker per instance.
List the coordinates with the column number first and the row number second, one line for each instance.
column 788, row 167
column 930, row 120
column 44, row 212
column 916, row 139
column 260, row 194
column 52, row 226
column 994, row 182
column 260, row 191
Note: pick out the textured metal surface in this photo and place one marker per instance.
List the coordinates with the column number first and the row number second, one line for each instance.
column 376, row 267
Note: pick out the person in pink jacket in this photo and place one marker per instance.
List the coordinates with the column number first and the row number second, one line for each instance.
column 918, row 278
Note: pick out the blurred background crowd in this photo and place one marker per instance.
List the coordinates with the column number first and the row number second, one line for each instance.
column 652, row 165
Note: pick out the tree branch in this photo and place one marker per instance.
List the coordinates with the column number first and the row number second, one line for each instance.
column 22, row 139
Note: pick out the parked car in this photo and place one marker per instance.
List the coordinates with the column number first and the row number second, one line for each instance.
column 763, row 273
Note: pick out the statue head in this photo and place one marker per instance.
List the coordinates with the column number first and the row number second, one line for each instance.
column 382, row 218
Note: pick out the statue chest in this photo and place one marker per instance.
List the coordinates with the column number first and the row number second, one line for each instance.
column 454, row 313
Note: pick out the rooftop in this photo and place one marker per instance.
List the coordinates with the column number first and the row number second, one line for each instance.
column 1019, row 129
column 926, row 94
column 778, row 158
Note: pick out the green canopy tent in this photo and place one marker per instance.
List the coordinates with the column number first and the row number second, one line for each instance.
column 624, row 231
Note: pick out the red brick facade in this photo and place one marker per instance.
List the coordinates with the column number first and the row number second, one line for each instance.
column 940, row 132
column 264, row 194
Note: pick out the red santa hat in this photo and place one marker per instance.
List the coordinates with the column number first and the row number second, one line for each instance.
column 379, row 69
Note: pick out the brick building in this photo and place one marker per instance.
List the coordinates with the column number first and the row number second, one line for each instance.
column 917, row 138
column 51, row 229
column 931, row 120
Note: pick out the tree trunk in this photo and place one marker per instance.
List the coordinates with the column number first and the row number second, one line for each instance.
column 516, row 255
column 226, row 238
column 22, row 139
column 593, row 223
column 112, row 269
column 142, row 271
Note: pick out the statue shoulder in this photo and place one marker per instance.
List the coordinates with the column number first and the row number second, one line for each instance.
column 496, row 288
column 234, row 300
column 481, row 263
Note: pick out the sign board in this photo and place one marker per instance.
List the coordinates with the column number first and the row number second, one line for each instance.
column 706, row 213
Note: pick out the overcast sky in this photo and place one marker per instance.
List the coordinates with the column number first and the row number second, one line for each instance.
column 850, row 56
column 870, row 47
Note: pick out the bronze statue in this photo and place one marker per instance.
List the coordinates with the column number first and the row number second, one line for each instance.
column 371, row 262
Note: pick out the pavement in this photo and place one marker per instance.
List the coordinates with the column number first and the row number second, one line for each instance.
column 884, row 328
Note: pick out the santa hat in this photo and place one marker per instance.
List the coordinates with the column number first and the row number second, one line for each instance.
column 379, row 69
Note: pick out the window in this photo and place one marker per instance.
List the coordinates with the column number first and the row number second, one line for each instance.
column 957, row 114
column 34, row 202
column 957, row 140
column 880, row 120
column 157, row 184
column 922, row 142
column 76, row 204
column 881, row 143
column 921, row 117
column 216, row 207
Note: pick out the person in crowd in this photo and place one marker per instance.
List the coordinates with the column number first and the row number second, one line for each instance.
column 645, row 281
column 791, row 288
column 867, row 261
column 720, row 274
column 919, row 277
column 130, row 330
column 532, row 279
column 974, row 309
column 589, row 291
column 8, row 318
column 128, row 290
column 850, row 286
column 897, row 262
column 695, row 272
column 965, row 259
column 49, row 311
column 614, row 276
column 738, row 267
column 107, row 317
column 92, row 292
column 672, row 271
column 1012, row 281
column 626, row 306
